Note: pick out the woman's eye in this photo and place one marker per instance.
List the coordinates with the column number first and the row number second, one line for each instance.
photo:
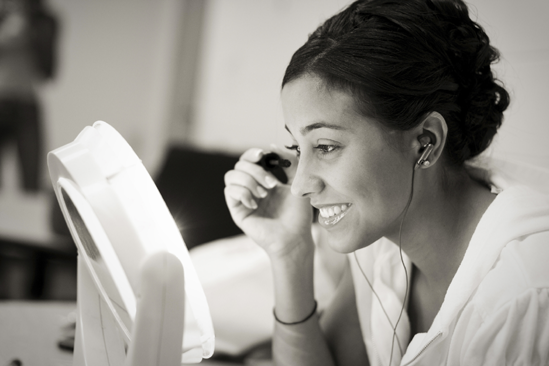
column 323, row 149
column 294, row 148
column 326, row 149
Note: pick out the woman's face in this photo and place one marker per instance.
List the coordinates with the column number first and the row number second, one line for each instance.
column 359, row 181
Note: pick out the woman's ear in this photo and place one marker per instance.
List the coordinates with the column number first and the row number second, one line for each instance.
column 431, row 138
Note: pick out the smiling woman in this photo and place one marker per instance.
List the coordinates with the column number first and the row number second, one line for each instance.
column 347, row 161
column 388, row 104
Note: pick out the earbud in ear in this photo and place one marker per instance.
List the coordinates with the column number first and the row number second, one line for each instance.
column 427, row 140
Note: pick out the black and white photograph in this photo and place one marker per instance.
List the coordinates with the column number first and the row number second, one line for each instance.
column 274, row 183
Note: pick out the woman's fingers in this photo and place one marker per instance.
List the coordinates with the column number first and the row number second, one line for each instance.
column 248, row 163
column 252, row 155
column 247, row 175
column 248, row 182
column 260, row 175
column 238, row 195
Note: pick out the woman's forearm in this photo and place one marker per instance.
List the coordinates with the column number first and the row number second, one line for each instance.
column 303, row 343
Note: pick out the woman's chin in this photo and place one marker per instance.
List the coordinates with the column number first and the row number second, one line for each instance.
column 348, row 241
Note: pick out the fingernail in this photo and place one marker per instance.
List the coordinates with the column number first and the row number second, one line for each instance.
column 271, row 182
column 262, row 192
column 253, row 204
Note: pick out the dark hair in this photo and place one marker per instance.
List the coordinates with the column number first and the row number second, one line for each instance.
column 403, row 59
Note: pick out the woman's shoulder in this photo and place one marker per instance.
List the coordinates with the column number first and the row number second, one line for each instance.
column 521, row 208
column 519, row 274
column 508, row 254
column 502, row 174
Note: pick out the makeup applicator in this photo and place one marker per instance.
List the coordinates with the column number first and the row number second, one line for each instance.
column 273, row 163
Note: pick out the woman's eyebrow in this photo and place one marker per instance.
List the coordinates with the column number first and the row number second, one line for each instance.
column 314, row 126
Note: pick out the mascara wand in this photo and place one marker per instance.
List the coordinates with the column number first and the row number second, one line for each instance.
column 273, row 163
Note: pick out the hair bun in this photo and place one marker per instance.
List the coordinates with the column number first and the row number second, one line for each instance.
column 481, row 99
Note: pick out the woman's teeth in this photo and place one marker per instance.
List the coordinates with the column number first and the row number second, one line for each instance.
column 331, row 211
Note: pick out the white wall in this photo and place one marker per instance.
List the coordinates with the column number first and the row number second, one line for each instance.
column 116, row 61
column 521, row 32
column 248, row 44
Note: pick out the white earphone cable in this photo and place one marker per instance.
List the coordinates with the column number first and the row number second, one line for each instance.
column 405, row 272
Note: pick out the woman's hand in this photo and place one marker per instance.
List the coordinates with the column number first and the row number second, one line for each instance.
column 265, row 209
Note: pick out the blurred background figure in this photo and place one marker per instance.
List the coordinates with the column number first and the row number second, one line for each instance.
column 27, row 58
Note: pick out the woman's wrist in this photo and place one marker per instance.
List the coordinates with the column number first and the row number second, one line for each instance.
column 292, row 250
column 311, row 314
column 293, row 284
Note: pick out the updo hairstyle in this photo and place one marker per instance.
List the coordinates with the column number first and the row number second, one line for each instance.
column 401, row 60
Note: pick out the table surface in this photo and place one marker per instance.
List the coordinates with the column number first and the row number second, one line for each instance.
column 29, row 331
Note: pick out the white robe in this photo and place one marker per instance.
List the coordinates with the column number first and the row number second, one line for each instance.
column 496, row 310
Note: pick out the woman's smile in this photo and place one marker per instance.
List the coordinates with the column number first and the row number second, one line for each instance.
column 330, row 215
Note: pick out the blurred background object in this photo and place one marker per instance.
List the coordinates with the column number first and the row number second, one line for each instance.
column 28, row 59
column 191, row 84
column 28, row 39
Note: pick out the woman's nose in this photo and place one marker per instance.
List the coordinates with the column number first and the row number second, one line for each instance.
column 306, row 182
